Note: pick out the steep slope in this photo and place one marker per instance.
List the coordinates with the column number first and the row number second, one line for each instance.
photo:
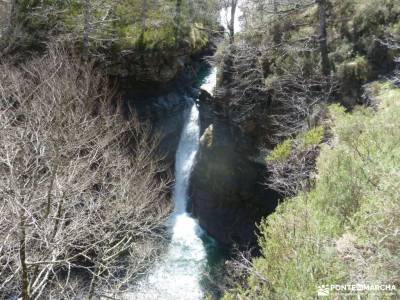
column 145, row 40
column 345, row 230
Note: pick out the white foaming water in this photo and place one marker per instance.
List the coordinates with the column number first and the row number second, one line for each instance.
column 185, row 156
column 177, row 275
column 210, row 81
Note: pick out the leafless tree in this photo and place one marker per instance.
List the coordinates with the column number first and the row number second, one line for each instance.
column 299, row 103
column 283, row 105
column 82, row 191
column 277, row 101
column 280, row 109
column 86, row 28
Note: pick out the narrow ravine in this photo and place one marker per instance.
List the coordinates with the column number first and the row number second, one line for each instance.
column 178, row 274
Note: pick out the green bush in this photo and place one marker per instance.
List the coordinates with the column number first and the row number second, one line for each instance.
column 281, row 152
column 357, row 69
column 312, row 137
column 120, row 23
column 345, row 230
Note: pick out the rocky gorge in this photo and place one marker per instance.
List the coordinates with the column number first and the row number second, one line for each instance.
column 226, row 190
column 210, row 149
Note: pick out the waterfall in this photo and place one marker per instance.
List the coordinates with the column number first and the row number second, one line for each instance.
column 185, row 156
column 178, row 274
column 210, row 81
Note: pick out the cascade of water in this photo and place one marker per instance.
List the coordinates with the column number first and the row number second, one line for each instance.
column 185, row 156
column 210, row 81
column 178, row 274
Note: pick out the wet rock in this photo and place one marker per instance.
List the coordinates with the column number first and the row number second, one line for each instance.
column 205, row 97
column 152, row 67
column 226, row 190
column 159, row 66
column 164, row 114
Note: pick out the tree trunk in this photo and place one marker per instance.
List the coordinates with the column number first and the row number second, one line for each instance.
column 191, row 11
column 275, row 6
column 277, row 33
column 13, row 13
column 86, row 29
column 323, row 37
column 12, row 20
column 178, row 12
column 231, row 25
column 22, row 255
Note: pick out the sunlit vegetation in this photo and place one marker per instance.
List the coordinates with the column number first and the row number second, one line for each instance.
column 345, row 229
column 311, row 84
column 281, row 151
column 118, row 25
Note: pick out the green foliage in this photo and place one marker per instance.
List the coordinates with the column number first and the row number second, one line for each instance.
column 362, row 24
column 306, row 140
column 270, row 81
column 125, row 24
column 312, row 137
column 354, row 29
column 281, row 152
column 198, row 39
column 388, row 96
column 356, row 69
column 375, row 88
column 345, row 230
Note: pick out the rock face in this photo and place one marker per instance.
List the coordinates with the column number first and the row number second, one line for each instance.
column 226, row 190
column 227, row 195
column 150, row 67
column 157, row 67
column 163, row 111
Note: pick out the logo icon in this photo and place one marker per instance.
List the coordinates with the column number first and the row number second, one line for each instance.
column 323, row 290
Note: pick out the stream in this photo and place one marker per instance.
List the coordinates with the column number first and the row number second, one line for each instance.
column 178, row 274
column 181, row 272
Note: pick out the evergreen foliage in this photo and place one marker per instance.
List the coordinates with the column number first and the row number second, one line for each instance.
column 345, row 230
column 149, row 25
column 281, row 152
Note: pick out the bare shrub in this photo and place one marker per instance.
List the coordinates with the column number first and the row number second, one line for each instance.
column 279, row 105
column 4, row 10
column 275, row 107
column 82, row 192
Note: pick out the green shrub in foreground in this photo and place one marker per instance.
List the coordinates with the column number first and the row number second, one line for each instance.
column 346, row 230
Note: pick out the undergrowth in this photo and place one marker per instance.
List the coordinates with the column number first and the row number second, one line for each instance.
column 346, row 229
